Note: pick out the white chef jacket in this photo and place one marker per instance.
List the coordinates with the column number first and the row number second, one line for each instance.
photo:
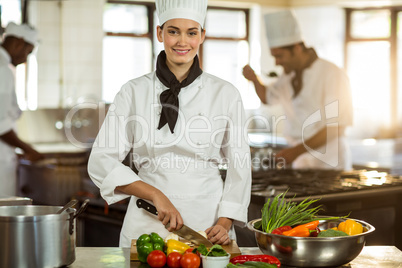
column 9, row 113
column 325, row 99
column 183, row 165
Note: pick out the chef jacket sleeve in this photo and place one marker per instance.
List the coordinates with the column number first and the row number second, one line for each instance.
column 279, row 92
column 236, row 151
column 110, row 148
column 6, row 88
column 337, row 97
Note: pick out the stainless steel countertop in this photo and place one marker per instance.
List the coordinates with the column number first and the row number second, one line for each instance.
column 112, row 257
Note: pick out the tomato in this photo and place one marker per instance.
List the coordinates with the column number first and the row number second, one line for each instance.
column 190, row 250
column 156, row 259
column 190, row 260
column 173, row 260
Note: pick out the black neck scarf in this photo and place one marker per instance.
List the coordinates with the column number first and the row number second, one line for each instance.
column 169, row 98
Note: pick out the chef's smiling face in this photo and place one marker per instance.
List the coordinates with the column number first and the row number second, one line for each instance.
column 182, row 39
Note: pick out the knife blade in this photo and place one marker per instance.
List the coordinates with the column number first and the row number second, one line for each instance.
column 185, row 232
column 189, row 234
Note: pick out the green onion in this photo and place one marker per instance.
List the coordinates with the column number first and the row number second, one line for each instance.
column 279, row 212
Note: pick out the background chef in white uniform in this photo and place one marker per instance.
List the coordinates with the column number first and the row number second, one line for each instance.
column 19, row 41
column 181, row 123
column 315, row 96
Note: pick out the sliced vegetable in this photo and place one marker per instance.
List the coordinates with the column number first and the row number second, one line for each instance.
column 331, row 233
column 350, row 227
column 171, row 236
column 256, row 258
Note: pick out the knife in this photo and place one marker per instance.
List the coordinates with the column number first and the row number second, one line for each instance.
column 185, row 232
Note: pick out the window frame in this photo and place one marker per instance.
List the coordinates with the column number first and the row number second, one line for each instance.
column 393, row 41
column 150, row 12
column 235, row 39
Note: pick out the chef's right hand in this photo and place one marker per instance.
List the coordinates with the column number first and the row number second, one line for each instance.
column 167, row 213
column 249, row 73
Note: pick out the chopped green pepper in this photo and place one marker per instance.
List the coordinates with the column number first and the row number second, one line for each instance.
column 147, row 243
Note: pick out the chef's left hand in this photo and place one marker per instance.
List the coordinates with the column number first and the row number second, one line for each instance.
column 219, row 233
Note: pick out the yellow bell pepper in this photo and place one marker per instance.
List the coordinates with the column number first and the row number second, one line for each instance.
column 350, row 227
column 176, row 246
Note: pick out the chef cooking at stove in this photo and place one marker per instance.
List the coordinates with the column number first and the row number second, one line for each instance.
column 315, row 96
column 181, row 123
column 19, row 41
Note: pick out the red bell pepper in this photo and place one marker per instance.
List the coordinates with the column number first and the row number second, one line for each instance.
column 281, row 229
column 262, row 258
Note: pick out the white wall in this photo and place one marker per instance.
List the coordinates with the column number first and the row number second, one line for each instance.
column 70, row 52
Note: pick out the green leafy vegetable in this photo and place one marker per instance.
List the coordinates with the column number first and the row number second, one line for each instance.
column 331, row 233
column 279, row 212
column 214, row 251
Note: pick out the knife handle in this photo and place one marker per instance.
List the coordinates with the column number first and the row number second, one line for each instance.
column 141, row 203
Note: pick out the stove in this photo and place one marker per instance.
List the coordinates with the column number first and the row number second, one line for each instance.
column 323, row 183
column 371, row 196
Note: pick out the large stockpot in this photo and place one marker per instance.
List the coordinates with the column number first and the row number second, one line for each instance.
column 36, row 236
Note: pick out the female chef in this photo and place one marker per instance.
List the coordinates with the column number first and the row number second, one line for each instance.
column 180, row 123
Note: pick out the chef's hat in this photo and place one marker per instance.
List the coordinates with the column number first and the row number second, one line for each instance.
column 24, row 31
column 195, row 10
column 282, row 29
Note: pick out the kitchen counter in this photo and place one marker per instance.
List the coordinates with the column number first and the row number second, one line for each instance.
column 103, row 257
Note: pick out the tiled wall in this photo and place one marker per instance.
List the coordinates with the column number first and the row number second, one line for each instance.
column 70, row 51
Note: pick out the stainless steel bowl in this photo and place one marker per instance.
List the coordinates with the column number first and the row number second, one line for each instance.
column 312, row 251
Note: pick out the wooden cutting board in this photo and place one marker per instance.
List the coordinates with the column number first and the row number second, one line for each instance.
column 232, row 248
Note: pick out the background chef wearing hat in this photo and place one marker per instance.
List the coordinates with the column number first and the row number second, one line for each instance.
column 19, row 41
column 180, row 123
column 315, row 96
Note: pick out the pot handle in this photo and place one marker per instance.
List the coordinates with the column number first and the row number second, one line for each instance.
column 72, row 217
column 82, row 208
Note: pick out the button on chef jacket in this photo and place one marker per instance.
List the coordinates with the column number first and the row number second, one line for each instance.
column 325, row 99
column 183, row 165
column 9, row 113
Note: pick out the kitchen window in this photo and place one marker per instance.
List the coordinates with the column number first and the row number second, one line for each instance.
column 130, row 46
column 373, row 50
column 127, row 45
